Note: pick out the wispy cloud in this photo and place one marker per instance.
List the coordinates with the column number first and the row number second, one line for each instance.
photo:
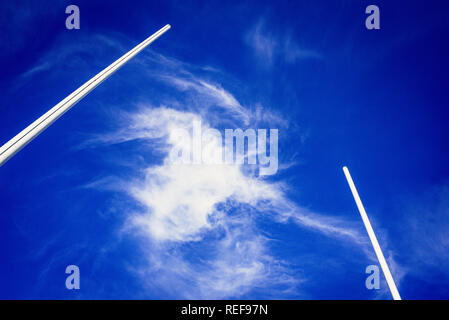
column 269, row 45
column 185, row 205
column 230, row 261
column 197, row 224
column 427, row 240
column 211, row 94
column 264, row 44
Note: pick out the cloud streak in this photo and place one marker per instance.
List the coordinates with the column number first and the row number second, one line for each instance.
column 269, row 46
column 184, row 205
column 197, row 224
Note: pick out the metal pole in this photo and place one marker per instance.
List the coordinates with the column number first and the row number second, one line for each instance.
column 372, row 237
column 34, row 129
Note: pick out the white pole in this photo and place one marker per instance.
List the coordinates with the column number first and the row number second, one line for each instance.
column 372, row 236
column 29, row 133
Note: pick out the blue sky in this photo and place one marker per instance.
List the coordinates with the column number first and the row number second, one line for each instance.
column 95, row 189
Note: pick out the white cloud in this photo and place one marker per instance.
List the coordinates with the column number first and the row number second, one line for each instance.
column 211, row 94
column 184, row 204
column 268, row 45
column 228, row 266
column 197, row 188
column 263, row 43
column 215, row 206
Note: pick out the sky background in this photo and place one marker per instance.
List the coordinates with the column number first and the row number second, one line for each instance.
column 95, row 189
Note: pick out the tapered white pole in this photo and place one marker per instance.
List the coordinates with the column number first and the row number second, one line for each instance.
column 29, row 133
column 372, row 237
